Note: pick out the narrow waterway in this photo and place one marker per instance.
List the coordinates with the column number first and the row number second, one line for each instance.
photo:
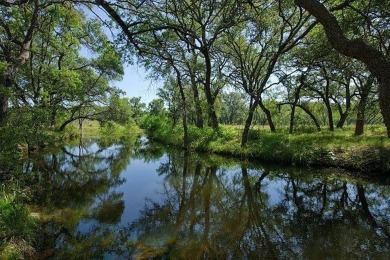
column 143, row 201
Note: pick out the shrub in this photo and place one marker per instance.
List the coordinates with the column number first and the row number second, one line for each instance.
column 154, row 125
column 111, row 133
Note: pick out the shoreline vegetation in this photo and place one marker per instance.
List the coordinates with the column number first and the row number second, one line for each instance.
column 221, row 63
column 18, row 222
column 368, row 154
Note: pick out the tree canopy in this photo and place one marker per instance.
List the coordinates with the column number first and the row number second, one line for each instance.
column 234, row 62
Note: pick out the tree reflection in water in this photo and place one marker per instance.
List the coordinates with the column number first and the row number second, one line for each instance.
column 208, row 207
column 73, row 188
column 212, row 212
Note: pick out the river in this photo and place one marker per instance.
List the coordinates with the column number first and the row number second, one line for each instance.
column 141, row 201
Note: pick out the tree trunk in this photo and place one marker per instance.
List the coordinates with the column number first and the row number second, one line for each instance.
column 361, row 109
column 198, row 107
column 384, row 101
column 184, row 111
column 343, row 118
column 359, row 127
column 375, row 60
column 248, row 122
column 292, row 116
column 330, row 115
column 326, row 98
column 4, row 89
column 213, row 120
column 53, row 118
column 6, row 81
column 293, row 106
column 344, row 115
column 307, row 111
column 268, row 115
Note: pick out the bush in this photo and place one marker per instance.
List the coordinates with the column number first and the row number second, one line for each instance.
column 159, row 128
column 154, row 125
column 113, row 133
column 201, row 138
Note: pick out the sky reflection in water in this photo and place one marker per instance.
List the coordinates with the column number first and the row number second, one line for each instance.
column 145, row 201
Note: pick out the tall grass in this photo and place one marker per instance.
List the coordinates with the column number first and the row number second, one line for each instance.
column 339, row 148
column 17, row 226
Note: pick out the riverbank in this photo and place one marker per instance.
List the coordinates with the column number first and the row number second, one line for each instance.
column 88, row 175
column 369, row 153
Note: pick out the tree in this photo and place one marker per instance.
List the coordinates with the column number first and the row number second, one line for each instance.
column 233, row 108
column 138, row 108
column 375, row 60
column 364, row 85
column 255, row 51
column 119, row 110
column 156, row 107
column 15, row 42
column 345, row 78
column 57, row 78
column 198, row 25
column 49, row 83
column 294, row 87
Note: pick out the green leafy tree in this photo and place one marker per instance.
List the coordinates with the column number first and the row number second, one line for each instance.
column 374, row 55
column 138, row 108
column 233, row 108
column 156, row 107
column 57, row 79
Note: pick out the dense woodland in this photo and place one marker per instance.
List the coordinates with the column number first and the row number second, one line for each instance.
column 302, row 64
column 292, row 82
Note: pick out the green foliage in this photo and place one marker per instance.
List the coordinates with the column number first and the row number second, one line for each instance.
column 138, row 108
column 326, row 148
column 27, row 129
column 57, row 84
column 119, row 110
column 3, row 67
column 234, row 108
column 156, row 107
column 15, row 220
column 113, row 133
column 109, row 62
column 160, row 128
column 201, row 138
column 17, row 226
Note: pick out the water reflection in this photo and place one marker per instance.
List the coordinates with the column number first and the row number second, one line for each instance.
column 96, row 202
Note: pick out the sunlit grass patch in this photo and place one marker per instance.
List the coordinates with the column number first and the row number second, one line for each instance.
column 338, row 148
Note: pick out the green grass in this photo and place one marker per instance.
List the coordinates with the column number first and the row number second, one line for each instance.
column 17, row 226
column 340, row 148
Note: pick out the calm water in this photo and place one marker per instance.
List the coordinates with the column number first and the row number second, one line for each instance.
column 142, row 201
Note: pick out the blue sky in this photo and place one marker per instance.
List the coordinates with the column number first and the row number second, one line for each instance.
column 136, row 84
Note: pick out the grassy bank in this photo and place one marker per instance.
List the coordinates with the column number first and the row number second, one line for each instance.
column 17, row 226
column 368, row 153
